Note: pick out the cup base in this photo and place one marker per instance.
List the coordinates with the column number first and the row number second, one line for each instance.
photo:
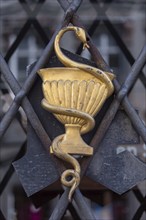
column 84, row 150
column 72, row 142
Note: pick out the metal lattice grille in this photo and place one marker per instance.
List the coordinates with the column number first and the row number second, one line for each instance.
column 79, row 205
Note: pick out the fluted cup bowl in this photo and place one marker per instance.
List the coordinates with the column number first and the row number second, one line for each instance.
column 74, row 89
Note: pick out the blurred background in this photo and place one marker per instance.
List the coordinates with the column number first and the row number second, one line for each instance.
column 22, row 39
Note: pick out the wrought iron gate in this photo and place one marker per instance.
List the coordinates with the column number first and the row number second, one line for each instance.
column 79, row 208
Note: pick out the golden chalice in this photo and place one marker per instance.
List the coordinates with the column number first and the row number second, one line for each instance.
column 74, row 94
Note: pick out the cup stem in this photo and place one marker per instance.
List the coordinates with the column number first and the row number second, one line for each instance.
column 73, row 143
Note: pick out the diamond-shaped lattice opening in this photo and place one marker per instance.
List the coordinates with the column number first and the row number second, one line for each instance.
column 28, row 51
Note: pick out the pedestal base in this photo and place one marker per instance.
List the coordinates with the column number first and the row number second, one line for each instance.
column 72, row 142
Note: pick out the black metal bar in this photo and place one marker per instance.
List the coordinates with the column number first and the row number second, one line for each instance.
column 40, row 31
column 132, row 76
column 61, row 206
column 32, row 13
column 135, row 119
column 26, row 8
column 72, row 8
column 82, row 205
column 19, row 119
column 143, row 79
column 90, row 31
column 38, row 6
column 10, row 170
column 6, row 179
column 18, row 40
column 73, row 212
column 2, row 216
column 138, row 194
column 7, row 118
column 140, row 210
column 77, row 210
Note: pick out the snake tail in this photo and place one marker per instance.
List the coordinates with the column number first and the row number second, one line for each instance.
column 73, row 183
column 71, row 177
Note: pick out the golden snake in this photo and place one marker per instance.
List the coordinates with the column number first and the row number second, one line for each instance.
column 74, row 173
column 89, row 121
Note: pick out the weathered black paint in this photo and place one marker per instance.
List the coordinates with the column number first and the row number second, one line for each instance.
column 118, row 172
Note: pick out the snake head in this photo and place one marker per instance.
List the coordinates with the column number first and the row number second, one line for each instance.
column 81, row 35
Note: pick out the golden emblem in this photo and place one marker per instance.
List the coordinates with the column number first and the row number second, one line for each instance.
column 74, row 94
